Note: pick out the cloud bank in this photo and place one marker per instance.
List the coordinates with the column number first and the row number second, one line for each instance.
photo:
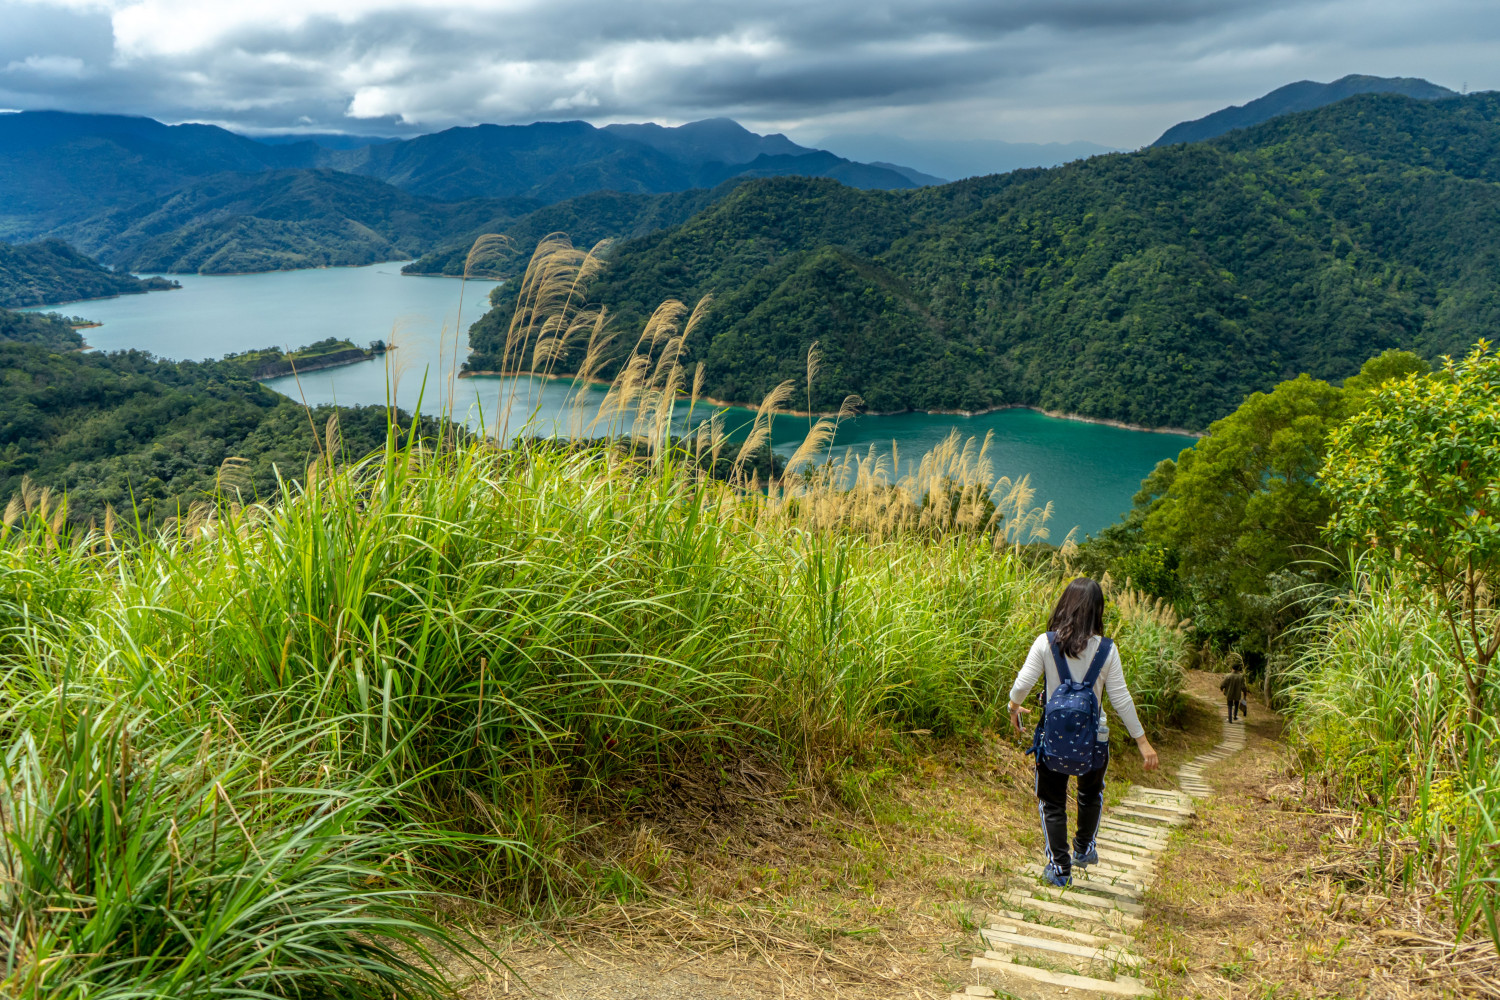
column 1112, row 71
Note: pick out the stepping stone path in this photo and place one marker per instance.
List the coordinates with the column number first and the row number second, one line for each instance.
column 1048, row 943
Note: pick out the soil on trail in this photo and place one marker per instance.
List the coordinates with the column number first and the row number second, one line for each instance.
column 883, row 895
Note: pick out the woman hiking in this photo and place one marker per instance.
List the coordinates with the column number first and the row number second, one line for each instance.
column 1075, row 641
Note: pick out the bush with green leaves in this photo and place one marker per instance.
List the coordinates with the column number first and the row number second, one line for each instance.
column 1415, row 477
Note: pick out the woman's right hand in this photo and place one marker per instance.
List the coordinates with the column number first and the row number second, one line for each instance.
column 1148, row 753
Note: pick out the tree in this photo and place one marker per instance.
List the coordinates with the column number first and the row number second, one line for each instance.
column 1416, row 477
column 1217, row 529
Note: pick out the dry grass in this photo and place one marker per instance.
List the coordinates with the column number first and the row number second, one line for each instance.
column 1268, row 896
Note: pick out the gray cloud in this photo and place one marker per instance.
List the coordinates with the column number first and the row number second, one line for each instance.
column 1113, row 71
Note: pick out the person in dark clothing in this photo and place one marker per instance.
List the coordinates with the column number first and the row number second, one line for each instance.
column 1233, row 687
column 1077, row 622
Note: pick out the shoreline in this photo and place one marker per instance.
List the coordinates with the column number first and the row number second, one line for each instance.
column 1055, row 414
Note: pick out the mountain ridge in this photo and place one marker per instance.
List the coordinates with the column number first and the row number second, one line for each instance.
column 1304, row 95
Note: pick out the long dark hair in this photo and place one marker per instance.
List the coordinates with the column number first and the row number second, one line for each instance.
column 1079, row 615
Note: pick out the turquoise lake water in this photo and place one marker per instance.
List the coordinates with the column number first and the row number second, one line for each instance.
column 1089, row 472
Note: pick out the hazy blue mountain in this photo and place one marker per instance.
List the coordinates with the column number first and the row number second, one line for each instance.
column 1305, row 95
column 713, row 140
column 957, row 158
column 554, row 161
column 325, row 140
column 57, row 167
column 34, row 274
column 915, row 176
column 283, row 219
column 139, row 193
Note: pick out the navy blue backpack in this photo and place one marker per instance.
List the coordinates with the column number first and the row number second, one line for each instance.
column 1067, row 737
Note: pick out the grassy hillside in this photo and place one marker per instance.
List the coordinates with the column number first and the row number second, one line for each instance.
column 1157, row 287
column 33, row 274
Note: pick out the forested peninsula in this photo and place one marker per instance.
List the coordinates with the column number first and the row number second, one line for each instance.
column 33, row 274
column 1157, row 287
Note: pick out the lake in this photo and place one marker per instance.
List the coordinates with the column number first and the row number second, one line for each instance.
column 1088, row 471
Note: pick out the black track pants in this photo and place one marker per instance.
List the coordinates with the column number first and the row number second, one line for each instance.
column 1234, row 709
column 1052, row 803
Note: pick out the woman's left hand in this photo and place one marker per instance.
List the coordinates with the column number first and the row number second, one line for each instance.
column 1016, row 711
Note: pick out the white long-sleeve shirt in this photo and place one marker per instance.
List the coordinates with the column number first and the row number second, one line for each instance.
column 1039, row 663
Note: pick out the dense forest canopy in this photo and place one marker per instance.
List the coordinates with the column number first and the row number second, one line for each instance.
column 1158, row 287
column 41, row 329
column 148, row 437
column 34, row 274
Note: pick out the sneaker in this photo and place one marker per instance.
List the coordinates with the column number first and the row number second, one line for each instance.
column 1084, row 860
column 1056, row 877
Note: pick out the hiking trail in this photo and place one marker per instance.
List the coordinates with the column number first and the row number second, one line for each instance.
column 1079, row 942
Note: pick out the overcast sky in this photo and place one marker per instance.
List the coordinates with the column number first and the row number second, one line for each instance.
column 1116, row 72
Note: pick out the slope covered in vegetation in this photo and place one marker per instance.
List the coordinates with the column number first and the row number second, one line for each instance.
column 34, row 274
column 152, row 438
column 1157, row 287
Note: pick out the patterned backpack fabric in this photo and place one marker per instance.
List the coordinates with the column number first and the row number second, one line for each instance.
column 1067, row 738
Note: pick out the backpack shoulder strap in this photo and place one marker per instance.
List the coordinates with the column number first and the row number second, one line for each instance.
column 1063, row 673
column 1100, row 658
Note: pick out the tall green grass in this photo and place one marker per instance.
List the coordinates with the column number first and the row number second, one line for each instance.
column 1381, row 717
column 253, row 753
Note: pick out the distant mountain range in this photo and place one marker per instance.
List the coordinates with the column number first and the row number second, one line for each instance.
column 1304, row 95
column 1157, row 287
column 143, row 195
column 956, row 159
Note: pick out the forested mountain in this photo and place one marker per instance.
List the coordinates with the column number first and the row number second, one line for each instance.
column 143, row 194
column 57, row 167
column 274, row 220
column 128, row 431
column 1156, row 287
column 1304, row 95
column 587, row 219
column 33, row 274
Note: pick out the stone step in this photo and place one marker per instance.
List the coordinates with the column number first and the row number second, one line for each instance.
column 1166, row 793
column 1107, row 956
column 1124, row 840
column 1108, row 870
column 1170, row 808
column 1121, row 986
column 1014, row 925
column 1137, row 814
column 1113, row 919
column 1073, row 897
column 1126, row 889
column 1141, row 829
column 1122, row 859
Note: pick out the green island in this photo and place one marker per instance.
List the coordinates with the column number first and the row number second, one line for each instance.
column 1156, row 288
